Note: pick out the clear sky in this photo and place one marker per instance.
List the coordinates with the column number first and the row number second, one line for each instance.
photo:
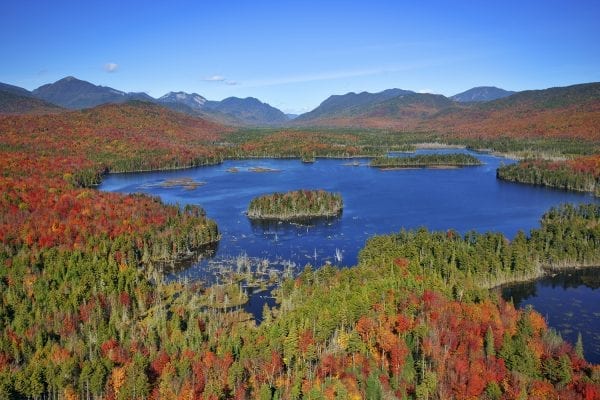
column 294, row 54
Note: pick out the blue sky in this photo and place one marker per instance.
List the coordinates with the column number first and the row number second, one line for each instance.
column 294, row 54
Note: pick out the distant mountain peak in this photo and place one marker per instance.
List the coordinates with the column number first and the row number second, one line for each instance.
column 249, row 111
column 351, row 102
column 192, row 100
column 481, row 94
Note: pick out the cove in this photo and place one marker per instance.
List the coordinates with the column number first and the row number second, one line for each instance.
column 569, row 302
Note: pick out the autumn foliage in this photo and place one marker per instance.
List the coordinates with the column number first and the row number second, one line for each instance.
column 86, row 313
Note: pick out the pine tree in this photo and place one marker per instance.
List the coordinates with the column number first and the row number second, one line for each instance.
column 579, row 346
column 490, row 351
column 373, row 391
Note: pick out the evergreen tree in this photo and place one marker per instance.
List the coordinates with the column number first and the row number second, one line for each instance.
column 579, row 346
column 490, row 351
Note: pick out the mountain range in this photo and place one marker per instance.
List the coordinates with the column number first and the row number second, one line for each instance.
column 484, row 109
column 571, row 111
column 72, row 93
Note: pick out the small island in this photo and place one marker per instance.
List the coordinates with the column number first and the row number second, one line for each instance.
column 295, row 205
column 186, row 183
column 263, row 169
column 308, row 158
column 455, row 160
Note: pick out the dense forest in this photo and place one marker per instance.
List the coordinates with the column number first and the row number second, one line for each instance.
column 426, row 160
column 298, row 204
column 568, row 237
column 85, row 312
column 580, row 174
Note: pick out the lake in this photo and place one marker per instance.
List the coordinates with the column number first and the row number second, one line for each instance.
column 375, row 202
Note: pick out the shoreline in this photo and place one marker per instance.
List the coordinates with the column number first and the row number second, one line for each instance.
column 294, row 218
column 444, row 166
column 543, row 272
column 418, row 146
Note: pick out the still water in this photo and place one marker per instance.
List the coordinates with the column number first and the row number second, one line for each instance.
column 375, row 202
column 569, row 302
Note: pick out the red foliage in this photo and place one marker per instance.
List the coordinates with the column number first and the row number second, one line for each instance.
column 125, row 299
column 68, row 325
column 305, row 340
column 4, row 361
column 41, row 203
column 112, row 350
column 158, row 364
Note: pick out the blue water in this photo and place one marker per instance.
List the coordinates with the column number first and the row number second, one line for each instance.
column 375, row 202
column 569, row 302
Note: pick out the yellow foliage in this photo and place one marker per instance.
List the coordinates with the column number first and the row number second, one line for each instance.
column 70, row 394
column 342, row 340
column 117, row 379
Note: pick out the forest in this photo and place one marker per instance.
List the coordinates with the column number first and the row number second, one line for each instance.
column 580, row 173
column 86, row 312
column 298, row 204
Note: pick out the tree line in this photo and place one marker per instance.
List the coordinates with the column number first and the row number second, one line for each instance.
column 426, row 160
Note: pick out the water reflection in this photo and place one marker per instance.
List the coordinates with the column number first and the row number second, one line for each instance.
column 569, row 301
column 298, row 224
column 185, row 261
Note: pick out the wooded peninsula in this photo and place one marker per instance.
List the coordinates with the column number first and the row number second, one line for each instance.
column 580, row 174
column 426, row 160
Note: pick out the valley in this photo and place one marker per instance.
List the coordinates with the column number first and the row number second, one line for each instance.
column 129, row 267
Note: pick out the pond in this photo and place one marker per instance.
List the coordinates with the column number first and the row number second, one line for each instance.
column 569, row 302
column 375, row 202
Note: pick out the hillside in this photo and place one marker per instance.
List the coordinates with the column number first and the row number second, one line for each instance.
column 131, row 136
column 572, row 111
column 481, row 94
column 348, row 104
column 13, row 103
column 405, row 111
column 5, row 87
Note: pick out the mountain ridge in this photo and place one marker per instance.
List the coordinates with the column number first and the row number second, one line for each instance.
column 249, row 110
column 347, row 102
column 570, row 110
column 13, row 103
column 73, row 93
column 481, row 94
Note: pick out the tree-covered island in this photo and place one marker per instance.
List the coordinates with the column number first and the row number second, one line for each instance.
column 426, row 160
